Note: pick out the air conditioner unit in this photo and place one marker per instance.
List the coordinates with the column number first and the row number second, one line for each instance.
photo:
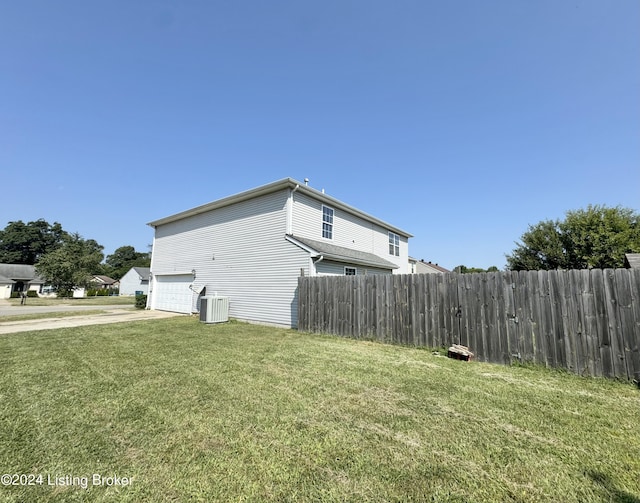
column 214, row 309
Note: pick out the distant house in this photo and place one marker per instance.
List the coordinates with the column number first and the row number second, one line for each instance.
column 18, row 278
column 252, row 247
column 6, row 287
column 632, row 260
column 104, row 282
column 99, row 282
column 421, row 267
column 135, row 280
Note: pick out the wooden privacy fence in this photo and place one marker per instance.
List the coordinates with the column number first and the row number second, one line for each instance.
column 586, row 321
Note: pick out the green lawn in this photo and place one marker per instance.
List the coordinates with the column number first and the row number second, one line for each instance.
column 237, row 412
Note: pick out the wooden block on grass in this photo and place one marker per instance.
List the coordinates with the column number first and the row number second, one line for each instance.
column 459, row 352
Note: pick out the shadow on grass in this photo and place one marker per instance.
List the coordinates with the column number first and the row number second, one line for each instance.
column 617, row 496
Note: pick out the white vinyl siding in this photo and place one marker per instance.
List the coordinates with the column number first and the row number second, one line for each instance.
column 349, row 231
column 131, row 283
column 238, row 251
column 329, row 268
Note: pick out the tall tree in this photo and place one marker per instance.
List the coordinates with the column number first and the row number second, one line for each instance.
column 71, row 265
column 22, row 243
column 595, row 237
column 123, row 259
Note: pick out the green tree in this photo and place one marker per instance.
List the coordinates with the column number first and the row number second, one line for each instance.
column 71, row 265
column 123, row 259
column 595, row 237
column 22, row 243
column 463, row 269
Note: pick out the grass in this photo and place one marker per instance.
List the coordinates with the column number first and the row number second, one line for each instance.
column 237, row 412
column 84, row 301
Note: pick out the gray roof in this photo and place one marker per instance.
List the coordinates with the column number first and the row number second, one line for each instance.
column 632, row 260
column 6, row 281
column 106, row 280
column 286, row 183
column 342, row 254
column 20, row 272
column 143, row 272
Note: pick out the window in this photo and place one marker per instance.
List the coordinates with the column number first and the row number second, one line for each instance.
column 394, row 244
column 327, row 222
column 350, row 271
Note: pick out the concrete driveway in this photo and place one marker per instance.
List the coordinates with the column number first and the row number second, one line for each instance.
column 114, row 314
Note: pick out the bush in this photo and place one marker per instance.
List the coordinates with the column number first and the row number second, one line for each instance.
column 141, row 301
column 97, row 292
column 30, row 293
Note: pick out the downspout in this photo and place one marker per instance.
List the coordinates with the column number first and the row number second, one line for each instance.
column 315, row 264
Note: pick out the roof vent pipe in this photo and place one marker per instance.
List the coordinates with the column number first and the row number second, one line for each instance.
column 306, row 181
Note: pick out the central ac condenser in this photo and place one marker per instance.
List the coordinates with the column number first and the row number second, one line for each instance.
column 214, row 309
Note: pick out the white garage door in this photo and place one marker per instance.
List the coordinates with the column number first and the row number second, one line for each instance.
column 172, row 293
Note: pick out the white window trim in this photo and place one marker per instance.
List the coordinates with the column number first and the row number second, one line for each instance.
column 354, row 269
column 333, row 216
column 393, row 238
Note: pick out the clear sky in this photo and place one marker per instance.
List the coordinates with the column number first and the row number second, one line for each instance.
column 461, row 122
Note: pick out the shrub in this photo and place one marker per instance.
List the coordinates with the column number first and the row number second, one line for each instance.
column 97, row 292
column 141, row 301
column 29, row 293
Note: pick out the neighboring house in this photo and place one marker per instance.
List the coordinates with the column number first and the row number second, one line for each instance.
column 253, row 246
column 99, row 282
column 136, row 280
column 18, row 278
column 632, row 260
column 104, row 282
column 6, row 287
column 421, row 267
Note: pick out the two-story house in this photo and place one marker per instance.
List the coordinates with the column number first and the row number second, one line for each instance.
column 252, row 247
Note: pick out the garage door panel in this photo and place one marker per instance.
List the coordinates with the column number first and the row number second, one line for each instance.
column 172, row 293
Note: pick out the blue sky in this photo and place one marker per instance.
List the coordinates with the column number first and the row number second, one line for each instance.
column 461, row 122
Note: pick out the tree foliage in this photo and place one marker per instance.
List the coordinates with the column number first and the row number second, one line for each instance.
column 595, row 237
column 463, row 269
column 123, row 259
column 65, row 260
column 71, row 265
column 22, row 243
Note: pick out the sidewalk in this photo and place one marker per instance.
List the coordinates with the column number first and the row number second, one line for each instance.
column 114, row 316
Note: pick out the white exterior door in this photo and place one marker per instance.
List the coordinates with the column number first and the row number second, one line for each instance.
column 172, row 293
